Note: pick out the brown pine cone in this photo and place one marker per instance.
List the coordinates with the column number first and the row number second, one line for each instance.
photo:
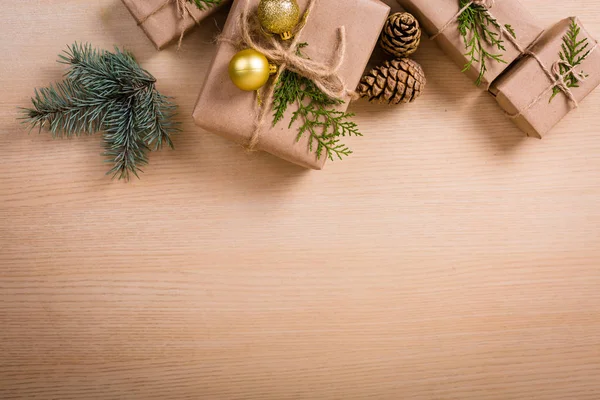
column 400, row 80
column 401, row 35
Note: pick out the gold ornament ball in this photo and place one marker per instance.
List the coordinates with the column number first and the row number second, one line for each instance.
column 249, row 70
column 279, row 16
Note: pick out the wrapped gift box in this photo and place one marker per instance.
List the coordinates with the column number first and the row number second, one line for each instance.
column 525, row 91
column 224, row 109
column 435, row 15
column 162, row 21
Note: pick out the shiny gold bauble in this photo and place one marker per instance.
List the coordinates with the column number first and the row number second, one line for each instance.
column 249, row 70
column 279, row 16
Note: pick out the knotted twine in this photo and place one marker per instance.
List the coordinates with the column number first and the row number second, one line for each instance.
column 554, row 74
column 287, row 58
column 184, row 15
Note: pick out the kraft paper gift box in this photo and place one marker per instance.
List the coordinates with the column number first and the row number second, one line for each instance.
column 224, row 109
column 434, row 15
column 525, row 91
column 162, row 20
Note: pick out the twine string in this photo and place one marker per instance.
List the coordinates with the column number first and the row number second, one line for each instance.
column 183, row 12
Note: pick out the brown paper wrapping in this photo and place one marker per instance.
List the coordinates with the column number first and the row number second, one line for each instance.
column 526, row 80
column 433, row 15
column 165, row 26
column 224, row 109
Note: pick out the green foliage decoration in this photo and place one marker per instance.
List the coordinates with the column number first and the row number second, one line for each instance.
column 109, row 92
column 316, row 111
column 572, row 53
column 481, row 31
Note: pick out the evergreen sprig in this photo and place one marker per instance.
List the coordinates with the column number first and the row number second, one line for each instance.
column 572, row 52
column 110, row 92
column 320, row 120
column 205, row 4
column 480, row 31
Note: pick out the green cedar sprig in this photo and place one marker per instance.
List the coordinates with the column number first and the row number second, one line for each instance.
column 110, row 92
column 572, row 53
column 320, row 120
column 205, row 4
column 480, row 31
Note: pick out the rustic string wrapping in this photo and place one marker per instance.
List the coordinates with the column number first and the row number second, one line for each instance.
column 557, row 79
column 286, row 57
column 554, row 74
column 182, row 10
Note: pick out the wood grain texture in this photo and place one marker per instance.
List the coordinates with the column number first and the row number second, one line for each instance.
column 448, row 258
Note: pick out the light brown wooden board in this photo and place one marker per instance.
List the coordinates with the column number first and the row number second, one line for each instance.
column 448, row 258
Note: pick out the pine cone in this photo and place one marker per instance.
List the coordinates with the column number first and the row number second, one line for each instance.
column 401, row 35
column 400, row 80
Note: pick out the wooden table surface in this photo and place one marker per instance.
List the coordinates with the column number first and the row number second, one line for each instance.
column 448, row 258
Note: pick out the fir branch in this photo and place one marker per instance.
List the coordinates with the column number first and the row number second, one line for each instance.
column 571, row 53
column 480, row 31
column 66, row 109
column 125, row 148
column 319, row 119
column 106, row 91
column 205, row 4
column 155, row 119
column 104, row 73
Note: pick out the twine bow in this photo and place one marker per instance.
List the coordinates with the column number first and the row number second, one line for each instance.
column 325, row 76
column 579, row 75
column 560, row 79
column 184, row 15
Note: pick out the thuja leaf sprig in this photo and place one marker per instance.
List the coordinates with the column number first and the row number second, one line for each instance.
column 316, row 112
column 325, row 128
column 480, row 31
column 572, row 53
column 205, row 4
column 110, row 92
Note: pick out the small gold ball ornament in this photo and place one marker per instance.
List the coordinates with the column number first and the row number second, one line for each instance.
column 279, row 16
column 249, row 70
